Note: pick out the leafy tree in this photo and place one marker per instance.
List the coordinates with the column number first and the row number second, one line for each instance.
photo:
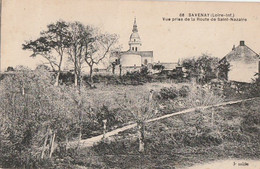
column 203, row 68
column 223, row 69
column 51, row 46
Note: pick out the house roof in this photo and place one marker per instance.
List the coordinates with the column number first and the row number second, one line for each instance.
column 241, row 52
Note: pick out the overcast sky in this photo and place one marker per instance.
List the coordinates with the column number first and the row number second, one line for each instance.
column 25, row 19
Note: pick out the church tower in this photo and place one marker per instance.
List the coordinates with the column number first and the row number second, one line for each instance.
column 135, row 41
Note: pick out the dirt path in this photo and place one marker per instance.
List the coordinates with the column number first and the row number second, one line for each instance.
column 91, row 141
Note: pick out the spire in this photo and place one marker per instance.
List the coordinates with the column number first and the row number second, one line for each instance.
column 135, row 26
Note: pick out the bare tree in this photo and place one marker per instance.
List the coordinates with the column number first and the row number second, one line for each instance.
column 51, row 45
column 98, row 47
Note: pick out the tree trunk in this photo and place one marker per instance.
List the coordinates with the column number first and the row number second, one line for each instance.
column 113, row 68
column 120, row 70
column 80, row 134
column 75, row 79
column 140, row 126
column 90, row 73
column 57, row 79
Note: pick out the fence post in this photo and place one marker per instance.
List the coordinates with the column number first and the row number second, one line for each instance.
column 104, row 128
column 52, row 144
column 45, row 142
column 140, row 126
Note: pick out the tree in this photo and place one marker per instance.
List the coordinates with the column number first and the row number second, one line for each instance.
column 97, row 47
column 203, row 68
column 51, row 45
column 223, row 69
column 78, row 34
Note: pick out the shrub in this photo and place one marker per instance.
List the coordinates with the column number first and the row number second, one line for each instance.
column 168, row 93
column 199, row 96
column 104, row 113
column 254, row 89
column 184, row 91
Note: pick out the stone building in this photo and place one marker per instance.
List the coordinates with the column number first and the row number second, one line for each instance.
column 240, row 65
column 134, row 58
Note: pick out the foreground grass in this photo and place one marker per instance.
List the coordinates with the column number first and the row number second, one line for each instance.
column 183, row 141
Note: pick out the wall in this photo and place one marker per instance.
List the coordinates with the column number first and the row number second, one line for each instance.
column 130, row 60
column 149, row 59
column 243, row 71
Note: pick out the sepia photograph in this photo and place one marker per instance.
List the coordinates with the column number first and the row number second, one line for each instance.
column 132, row 84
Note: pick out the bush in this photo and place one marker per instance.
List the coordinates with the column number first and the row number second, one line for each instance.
column 184, row 91
column 104, row 113
column 254, row 90
column 199, row 96
column 168, row 93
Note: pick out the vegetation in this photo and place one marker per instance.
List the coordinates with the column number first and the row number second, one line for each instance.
column 203, row 68
column 38, row 119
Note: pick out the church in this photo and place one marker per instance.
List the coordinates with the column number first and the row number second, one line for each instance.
column 132, row 59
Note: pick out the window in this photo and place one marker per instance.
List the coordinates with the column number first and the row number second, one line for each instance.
column 134, row 40
column 145, row 62
column 135, row 48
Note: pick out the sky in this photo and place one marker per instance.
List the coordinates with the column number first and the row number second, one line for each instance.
column 170, row 40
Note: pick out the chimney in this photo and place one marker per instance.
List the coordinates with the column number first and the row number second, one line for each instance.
column 242, row 43
column 233, row 47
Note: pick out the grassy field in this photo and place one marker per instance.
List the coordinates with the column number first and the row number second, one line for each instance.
column 183, row 141
column 180, row 141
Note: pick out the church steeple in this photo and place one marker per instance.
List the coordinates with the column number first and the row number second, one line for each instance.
column 135, row 26
column 135, row 40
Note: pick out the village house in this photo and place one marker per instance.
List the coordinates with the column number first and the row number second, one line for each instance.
column 240, row 65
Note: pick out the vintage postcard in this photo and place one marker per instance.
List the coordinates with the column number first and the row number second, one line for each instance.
column 129, row 84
